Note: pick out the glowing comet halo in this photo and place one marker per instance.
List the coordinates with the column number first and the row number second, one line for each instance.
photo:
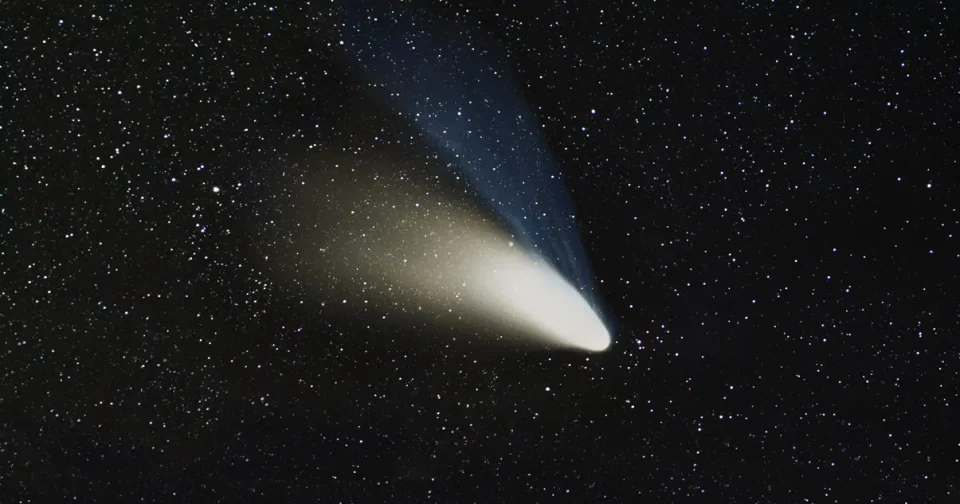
column 389, row 246
column 531, row 293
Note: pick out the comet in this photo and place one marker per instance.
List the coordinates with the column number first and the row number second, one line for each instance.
column 504, row 263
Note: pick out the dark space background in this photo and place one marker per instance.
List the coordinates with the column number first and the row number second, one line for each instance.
column 768, row 192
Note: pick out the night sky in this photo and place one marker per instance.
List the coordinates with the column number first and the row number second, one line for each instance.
column 767, row 194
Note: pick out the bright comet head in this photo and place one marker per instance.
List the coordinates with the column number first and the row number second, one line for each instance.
column 530, row 293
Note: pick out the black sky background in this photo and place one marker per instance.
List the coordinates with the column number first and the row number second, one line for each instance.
column 768, row 193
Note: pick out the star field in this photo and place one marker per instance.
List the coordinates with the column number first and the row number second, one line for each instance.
column 767, row 193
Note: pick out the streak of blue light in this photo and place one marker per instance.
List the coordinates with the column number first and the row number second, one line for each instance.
column 469, row 106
